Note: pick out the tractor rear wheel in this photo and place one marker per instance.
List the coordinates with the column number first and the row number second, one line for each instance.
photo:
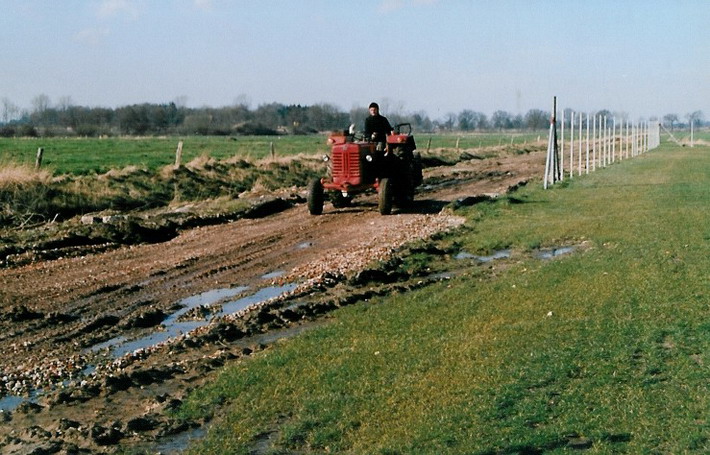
column 386, row 192
column 315, row 197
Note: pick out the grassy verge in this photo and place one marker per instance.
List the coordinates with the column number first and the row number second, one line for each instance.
column 606, row 349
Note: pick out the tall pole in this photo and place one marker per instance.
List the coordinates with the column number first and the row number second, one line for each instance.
column 613, row 142
column 579, row 161
column 691, row 133
column 571, row 144
column 594, row 143
column 552, row 165
column 562, row 149
column 605, row 136
column 627, row 139
column 558, row 167
column 587, row 169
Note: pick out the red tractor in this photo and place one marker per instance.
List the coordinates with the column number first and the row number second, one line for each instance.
column 356, row 166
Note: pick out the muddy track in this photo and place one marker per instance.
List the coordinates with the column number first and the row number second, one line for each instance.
column 53, row 312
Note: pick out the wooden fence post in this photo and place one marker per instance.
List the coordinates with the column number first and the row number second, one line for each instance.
column 38, row 160
column 273, row 152
column 178, row 155
column 458, row 139
column 428, row 145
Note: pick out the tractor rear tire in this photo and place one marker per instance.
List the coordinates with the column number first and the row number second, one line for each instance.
column 315, row 197
column 386, row 193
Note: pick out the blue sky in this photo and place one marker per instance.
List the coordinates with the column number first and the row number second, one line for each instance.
column 642, row 58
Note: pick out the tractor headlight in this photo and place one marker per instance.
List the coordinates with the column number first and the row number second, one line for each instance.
column 326, row 158
column 368, row 158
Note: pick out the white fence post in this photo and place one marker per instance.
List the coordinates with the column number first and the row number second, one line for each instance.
column 605, row 157
column 587, row 168
column 691, row 133
column 605, row 143
column 613, row 143
column 571, row 145
column 594, row 143
column 562, row 150
column 580, row 145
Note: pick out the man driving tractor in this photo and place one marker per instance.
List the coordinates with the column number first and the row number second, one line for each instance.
column 385, row 160
column 377, row 127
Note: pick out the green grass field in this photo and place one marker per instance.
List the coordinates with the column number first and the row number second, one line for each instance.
column 82, row 156
column 606, row 348
column 90, row 155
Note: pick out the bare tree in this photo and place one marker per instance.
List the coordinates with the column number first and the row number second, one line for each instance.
column 9, row 110
column 671, row 120
column 358, row 114
column 65, row 103
column 40, row 104
column 466, row 120
column 696, row 117
column 242, row 100
column 501, row 120
column 536, row 119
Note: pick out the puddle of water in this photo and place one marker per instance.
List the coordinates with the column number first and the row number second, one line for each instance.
column 274, row 274
column 549, row 254
column 171, row 331
column 88, row 370
column 173, row 445
column 260, row 296
column 172, row 327
column 501, row 254
column 209, row 297
column 108, row 343
column 497, row 255
column 120, row 345
column 10, row 402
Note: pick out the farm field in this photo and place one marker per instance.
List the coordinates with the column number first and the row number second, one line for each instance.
column 494, row 317
column 88, row 317
column 81, row 156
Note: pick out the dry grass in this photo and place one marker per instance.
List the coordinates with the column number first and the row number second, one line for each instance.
column 15, row 175
column 37, row 195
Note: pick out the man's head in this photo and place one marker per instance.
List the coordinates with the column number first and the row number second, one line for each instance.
column 374, row 109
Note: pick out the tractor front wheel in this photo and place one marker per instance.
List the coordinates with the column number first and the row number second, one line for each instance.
column 315, row 197
column 386, row 193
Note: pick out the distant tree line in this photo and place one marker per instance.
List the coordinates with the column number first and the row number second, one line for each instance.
column 174, row 118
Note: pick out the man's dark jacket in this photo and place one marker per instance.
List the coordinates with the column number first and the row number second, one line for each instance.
column 377, row 124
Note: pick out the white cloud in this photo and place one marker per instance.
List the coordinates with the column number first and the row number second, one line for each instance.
column 92, row 36
column 110, row 8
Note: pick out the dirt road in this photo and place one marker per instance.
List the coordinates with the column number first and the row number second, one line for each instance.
column 55, row 315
